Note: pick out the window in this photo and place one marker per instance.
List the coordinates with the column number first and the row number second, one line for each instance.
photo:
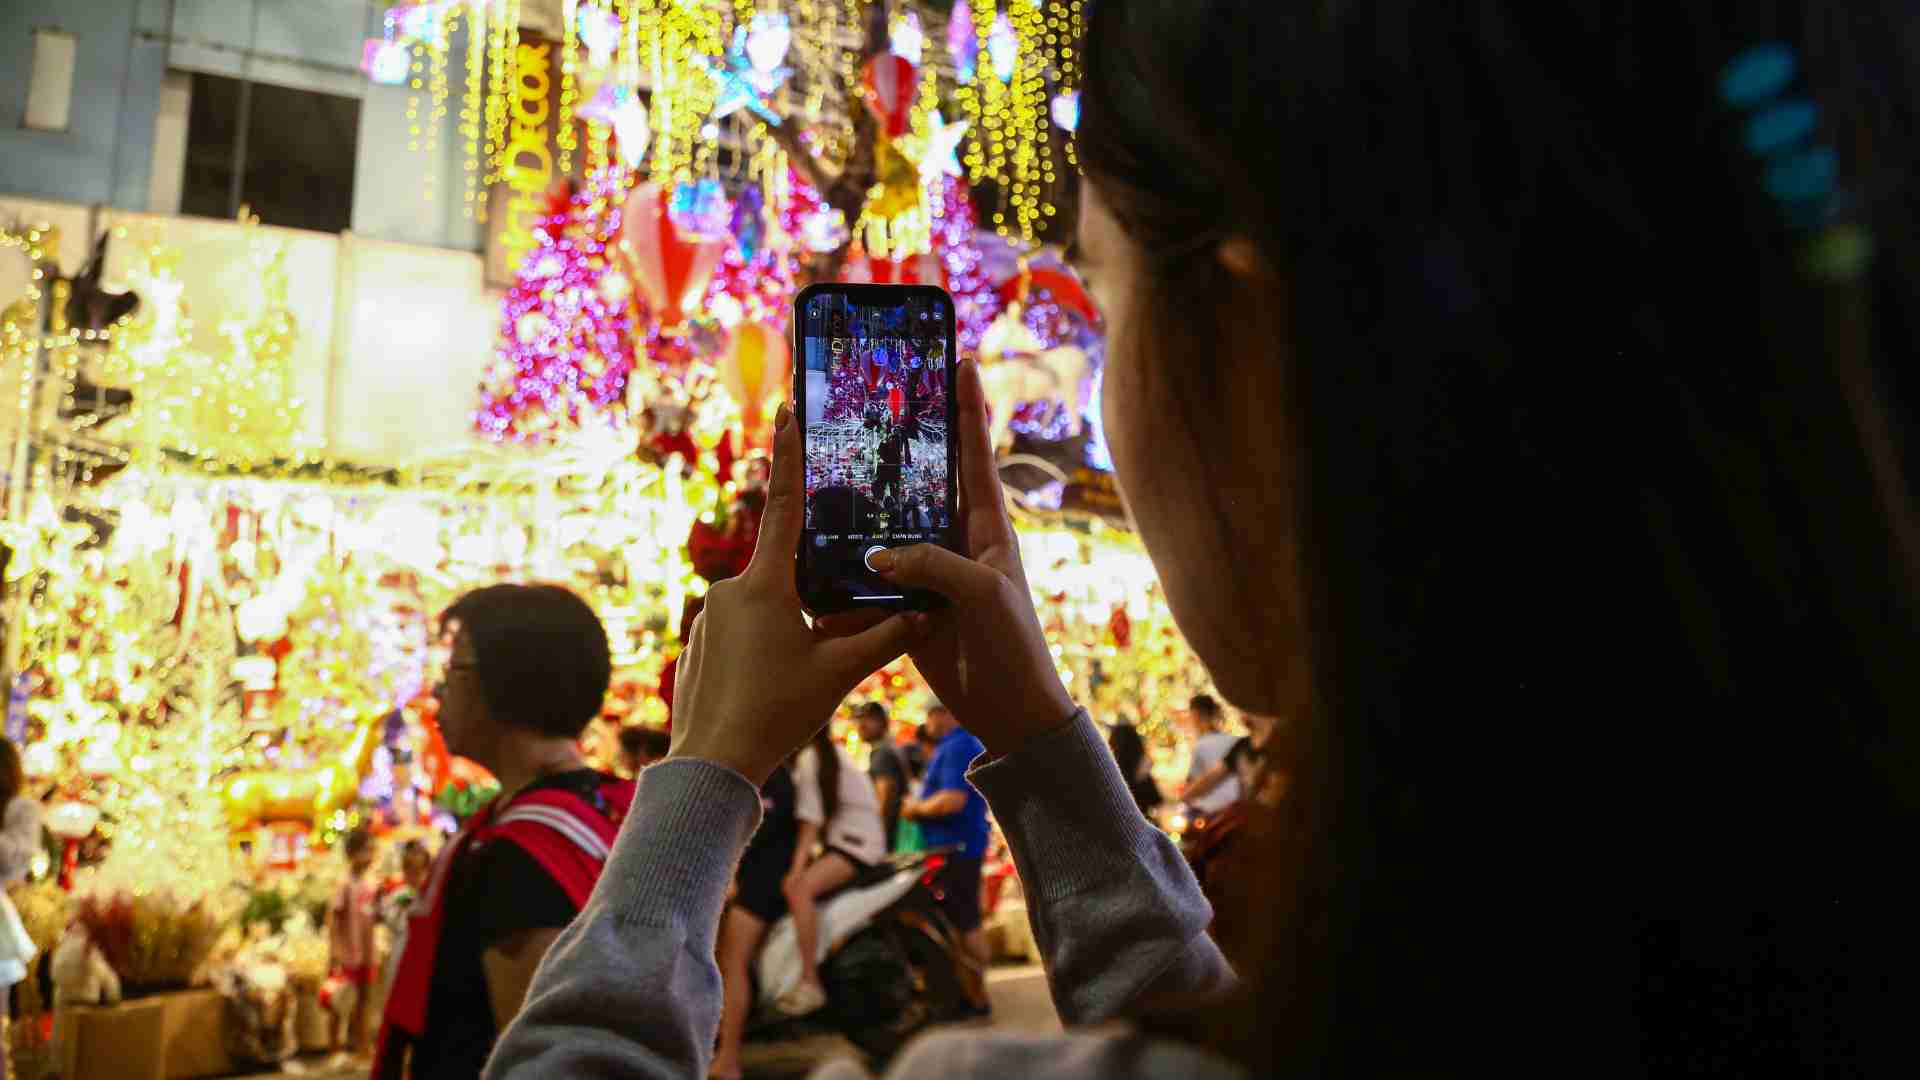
column 294, row 150
column 50, row 87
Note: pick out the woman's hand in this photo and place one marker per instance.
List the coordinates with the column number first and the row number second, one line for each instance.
column 985, row 657
column 755, row 682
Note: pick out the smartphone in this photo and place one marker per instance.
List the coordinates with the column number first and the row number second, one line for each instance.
column 874, row 395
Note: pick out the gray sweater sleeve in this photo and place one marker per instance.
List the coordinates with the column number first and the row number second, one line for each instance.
column 1115, row 909
column 630, row 989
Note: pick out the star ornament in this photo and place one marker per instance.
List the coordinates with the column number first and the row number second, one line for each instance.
column 937, row 153
column 742, row 85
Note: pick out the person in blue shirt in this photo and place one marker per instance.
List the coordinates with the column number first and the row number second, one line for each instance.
column 951, row 811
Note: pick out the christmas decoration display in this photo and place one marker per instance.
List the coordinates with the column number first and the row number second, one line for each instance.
column 310, row 794
column 888, row 86
column 752, row 69
column 670, row 264
column 225, row 641
column 1029, row 48
column 226, row 396
column 756, row 367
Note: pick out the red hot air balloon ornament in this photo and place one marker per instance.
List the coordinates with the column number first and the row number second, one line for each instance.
column 889, row 85
column 671, row 269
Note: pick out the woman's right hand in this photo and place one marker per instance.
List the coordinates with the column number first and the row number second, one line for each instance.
column 984, row 654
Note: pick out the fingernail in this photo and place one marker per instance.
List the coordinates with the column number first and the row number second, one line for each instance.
column 781, row 417
column 882, row 561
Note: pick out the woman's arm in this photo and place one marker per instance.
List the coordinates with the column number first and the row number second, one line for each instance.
column 1206, row 782
column 937, row 805
column 630, row 988
column 509, row 968
column 1115, row 909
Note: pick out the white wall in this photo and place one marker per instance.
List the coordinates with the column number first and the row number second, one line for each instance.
column 168, row 175
column 415, row 330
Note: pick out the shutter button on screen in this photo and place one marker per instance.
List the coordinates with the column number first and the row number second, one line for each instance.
column 871, row 552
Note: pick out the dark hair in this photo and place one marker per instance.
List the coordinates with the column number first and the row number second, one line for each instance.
column 13, row 775
column 1128, row 749
column 1560, row 401
column 827, row 756
column 542, row 655
column 1205, row 706
column 1242, row 748
column 644, row 741
column 871, row 710
column 357, row 842
column 413, row 849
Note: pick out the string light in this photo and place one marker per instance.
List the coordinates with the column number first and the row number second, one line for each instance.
column 415, row 52
column 437, row 83
column 1030, row 118
column 565, row 139
column 499, row 53
column 470, row 109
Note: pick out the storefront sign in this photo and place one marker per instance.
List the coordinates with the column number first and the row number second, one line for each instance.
column 517, row 200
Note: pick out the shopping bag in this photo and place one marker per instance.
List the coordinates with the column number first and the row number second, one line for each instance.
column 906, row 836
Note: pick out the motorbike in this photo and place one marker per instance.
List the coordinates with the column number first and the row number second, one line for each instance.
column 890, row 960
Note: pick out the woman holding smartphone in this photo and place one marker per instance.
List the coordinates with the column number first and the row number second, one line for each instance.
column 1508, row 395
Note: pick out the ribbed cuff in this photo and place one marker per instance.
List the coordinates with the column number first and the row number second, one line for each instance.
column 678, row 849
column 1062, row 803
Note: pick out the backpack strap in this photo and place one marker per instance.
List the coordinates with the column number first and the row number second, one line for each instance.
column 568, row 834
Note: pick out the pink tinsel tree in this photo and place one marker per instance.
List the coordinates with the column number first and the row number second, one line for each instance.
column 568, row 325
column 975, row 301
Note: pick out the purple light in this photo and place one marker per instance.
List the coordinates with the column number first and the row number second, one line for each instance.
column 573, row 368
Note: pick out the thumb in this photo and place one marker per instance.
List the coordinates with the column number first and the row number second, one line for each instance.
column 859, row 655
column 930, row 566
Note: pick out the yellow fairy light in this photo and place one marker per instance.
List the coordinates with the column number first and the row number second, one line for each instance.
column 565, row 138
column 1029, row 119
column 510, row 22
column 470, row 109
column 413, row 97
column 437, row 75
column 500, row 54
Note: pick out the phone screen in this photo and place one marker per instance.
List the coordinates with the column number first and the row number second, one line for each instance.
column 874, row 388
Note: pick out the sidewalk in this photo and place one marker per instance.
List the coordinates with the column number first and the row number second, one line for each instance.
column 1020, row 1003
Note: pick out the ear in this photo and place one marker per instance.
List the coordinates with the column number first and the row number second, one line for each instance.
column 1240, row 257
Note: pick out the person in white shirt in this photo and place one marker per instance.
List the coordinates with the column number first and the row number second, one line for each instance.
column 839, row 811
column 1211, row 787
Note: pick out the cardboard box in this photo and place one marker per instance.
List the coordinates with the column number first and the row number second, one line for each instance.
column 177, row 1036
column 312, row 1025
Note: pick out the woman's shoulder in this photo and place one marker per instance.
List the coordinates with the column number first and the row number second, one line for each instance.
column 1108, row 1051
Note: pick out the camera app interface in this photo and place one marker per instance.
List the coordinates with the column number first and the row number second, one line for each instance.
column 876, row 435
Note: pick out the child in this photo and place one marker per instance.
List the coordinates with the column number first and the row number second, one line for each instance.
column 350, row 921
column 396, row 901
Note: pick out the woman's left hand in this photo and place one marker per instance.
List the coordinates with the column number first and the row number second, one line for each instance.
column 755, row 681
